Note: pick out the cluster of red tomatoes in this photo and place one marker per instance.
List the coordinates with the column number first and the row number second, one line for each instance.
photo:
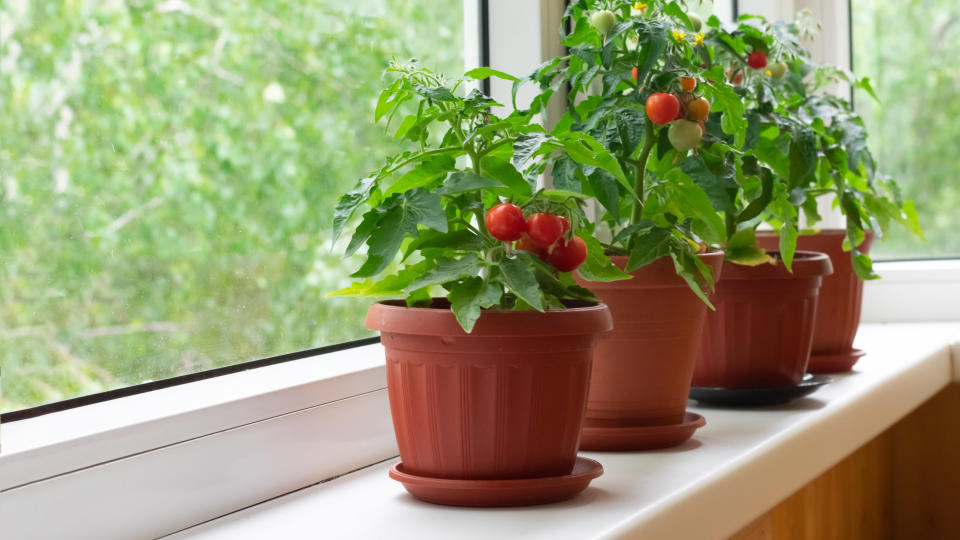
column 542, row 234
column 686, row 114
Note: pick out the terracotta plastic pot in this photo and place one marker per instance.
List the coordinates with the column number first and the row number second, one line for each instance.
column 841, row 297
column 505, row 401
column 642, row 370
column 761, row 333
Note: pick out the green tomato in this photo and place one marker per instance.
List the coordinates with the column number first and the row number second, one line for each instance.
column 777, row 70
column 684, row 135
column 696, row 21
column 603, row 21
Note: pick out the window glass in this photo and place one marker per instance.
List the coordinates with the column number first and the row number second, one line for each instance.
column 168, row 171
column 909, row 51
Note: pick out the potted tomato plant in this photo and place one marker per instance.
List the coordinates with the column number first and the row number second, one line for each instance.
column 828, row 145
column 488, row 346
column 637, row 83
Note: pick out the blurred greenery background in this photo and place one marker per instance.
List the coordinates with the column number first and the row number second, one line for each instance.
column 909, row 51
column 168, row 171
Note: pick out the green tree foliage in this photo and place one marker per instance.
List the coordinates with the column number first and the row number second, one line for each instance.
column 909, row 51
column 168, row 173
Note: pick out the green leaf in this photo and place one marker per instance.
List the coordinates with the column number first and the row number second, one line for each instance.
column 518, row 275
column 719, row 191
column 695, row 273
column 484, row 72
column 349, row 203
column 418, row 206
column 436, row 93
column 648, row 246
column 803, row 156
column 525, row 146
column 461, row 181
column 788, row 244
column 748, row 256
column 630, row 124
column 469, row 297
column 674, row 10
column 565, row 175
column 391, row 286
column 604, row 188
column 448, row 270
column 585, row 150
column 733, row 122
column 497, row 165
column 598, row 266
column 459, row 240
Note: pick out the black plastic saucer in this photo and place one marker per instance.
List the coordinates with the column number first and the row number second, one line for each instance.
column 745, row 397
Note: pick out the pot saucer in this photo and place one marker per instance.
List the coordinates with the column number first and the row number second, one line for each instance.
column 513, row 492
column 757, row 396
column 640, row 437
column 834, row 363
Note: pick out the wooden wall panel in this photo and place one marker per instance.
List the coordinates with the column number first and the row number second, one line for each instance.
column 904, row 484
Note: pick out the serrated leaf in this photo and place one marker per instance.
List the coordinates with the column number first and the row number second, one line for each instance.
column 447, row 269
column 484, row 72
column 719, row 190
column 461, row 181
column 469, row 297
column 418, row 206
column 518, row 276
column 648, row 246
column 525, row 146
column 349, row 203
column 597, row 266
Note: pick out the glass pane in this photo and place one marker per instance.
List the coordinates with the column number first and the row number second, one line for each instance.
column 168, row 171
column 909, row 51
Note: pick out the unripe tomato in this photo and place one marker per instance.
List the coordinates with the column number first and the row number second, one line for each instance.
column 696, row 21
column 684, row 135
column 698, row 109
column 603, row 21
column 505, row 222
column 526, row 244
column 688, row 83
column 757, row 60
column 544, row 229
column 662, row 107
column 778, row 70
column 568, row 255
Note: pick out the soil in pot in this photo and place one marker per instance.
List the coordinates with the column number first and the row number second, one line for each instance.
column 506, row 401
column 761, row 333
column 642, row 369
column 841, row 297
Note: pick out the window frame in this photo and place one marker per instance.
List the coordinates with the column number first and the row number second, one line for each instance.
column 170, row 456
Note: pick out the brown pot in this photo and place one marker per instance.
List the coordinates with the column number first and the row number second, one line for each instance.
column 642, row 370
column 841, row 296
column 761, row 333
column 505, row 401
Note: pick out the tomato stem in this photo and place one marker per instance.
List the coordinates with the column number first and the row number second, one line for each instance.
column 641, row 165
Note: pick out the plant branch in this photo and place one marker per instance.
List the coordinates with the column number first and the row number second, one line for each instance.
column 648, row 142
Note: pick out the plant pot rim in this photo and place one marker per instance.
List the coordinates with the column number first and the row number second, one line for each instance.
column 817, row 232
column 806, row 264
column 582, row 318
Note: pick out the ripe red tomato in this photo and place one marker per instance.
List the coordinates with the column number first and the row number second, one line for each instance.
column 662, row 107
column 634, row 73
column 568, row 255
column 544, row 229
column 699, row 109
column 688, row 83
column 757, row 60
column 505, row 222
column 526, row 244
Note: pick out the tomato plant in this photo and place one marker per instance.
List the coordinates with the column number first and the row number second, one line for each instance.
column 444, row 219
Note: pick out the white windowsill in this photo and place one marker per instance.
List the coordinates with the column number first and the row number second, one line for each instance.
column 742, row 463
column 69, row 440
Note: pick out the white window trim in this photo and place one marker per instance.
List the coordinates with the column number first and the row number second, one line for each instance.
column 175, row 457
